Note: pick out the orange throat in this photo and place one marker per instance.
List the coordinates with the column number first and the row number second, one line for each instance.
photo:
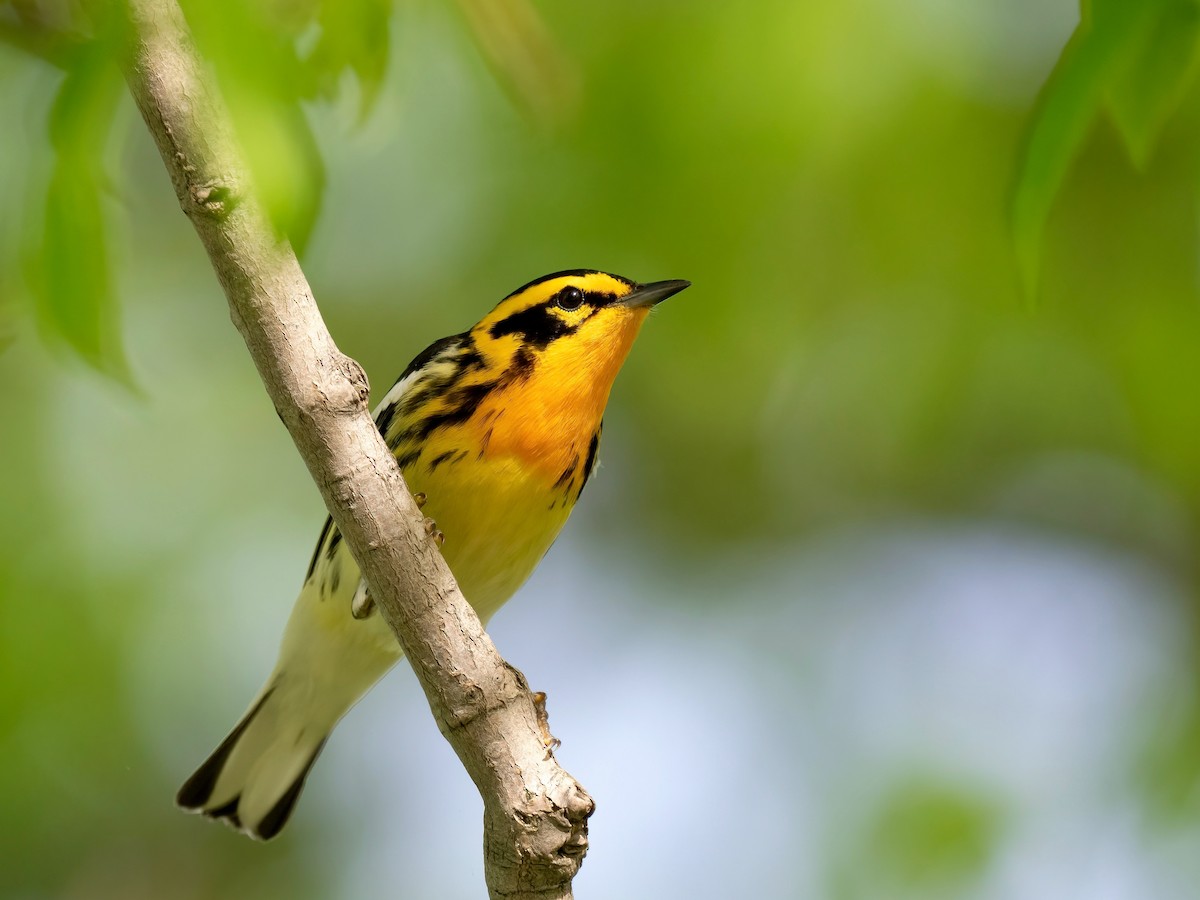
column 548, row 420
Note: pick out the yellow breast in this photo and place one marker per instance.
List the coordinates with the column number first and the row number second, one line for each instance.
column 499, row 515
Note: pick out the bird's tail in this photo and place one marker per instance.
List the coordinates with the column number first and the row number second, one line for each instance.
column 253, row 779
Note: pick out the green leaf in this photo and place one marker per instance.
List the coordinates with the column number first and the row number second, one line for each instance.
column 285, row 162
column 263, row 81
column 355, row 36
column 70, row 269
column 1110, row 33
column 525, row 57
column 75, row 298
column 1145, row 94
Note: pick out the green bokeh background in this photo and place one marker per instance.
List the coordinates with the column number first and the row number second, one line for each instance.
column 886, row 587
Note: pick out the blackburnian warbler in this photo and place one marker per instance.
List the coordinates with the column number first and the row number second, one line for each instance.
column 498, row 429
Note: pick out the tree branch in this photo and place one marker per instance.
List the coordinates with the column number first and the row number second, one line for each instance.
column 535, row 814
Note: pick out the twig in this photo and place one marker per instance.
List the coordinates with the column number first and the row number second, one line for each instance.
column 535, row 814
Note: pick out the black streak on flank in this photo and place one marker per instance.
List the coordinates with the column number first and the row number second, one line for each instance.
column 568, row 473
column 333, row 545
column 483, row 445
column 439, row 459
column 408, row 458
column 384, row 420
column 593, row 448
column 317, row 550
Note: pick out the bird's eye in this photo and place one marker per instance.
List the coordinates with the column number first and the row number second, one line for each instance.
column 570, row 298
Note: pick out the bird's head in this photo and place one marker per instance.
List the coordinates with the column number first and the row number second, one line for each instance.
column 573, row 327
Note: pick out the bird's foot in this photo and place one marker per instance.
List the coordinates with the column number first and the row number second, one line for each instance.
column 431, row 529
column 421, row 499
column 362, row 605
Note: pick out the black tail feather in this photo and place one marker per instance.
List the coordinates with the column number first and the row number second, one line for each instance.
column 199, row 787
column 228, row 812
column 274, row 821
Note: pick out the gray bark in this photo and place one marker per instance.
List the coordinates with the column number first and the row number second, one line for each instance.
column 535, row 814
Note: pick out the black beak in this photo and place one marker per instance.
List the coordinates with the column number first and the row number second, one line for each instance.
column 647, row 295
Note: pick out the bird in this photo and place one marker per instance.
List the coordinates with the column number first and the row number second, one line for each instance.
column 496, row 431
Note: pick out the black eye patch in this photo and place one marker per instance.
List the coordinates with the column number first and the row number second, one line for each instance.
column 536, row 325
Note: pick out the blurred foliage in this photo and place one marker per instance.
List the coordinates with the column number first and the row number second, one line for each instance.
column 69, row 266
column 264, row 80
column 265, row 75
column 926, row 839
column 833, row 178
column 525, row 57
column 273, row 59
column 1168, row 772
column 1136, row 60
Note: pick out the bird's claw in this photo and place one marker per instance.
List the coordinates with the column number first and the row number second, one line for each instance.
column 421, row 499
column 362, row 605
column 431, row 529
